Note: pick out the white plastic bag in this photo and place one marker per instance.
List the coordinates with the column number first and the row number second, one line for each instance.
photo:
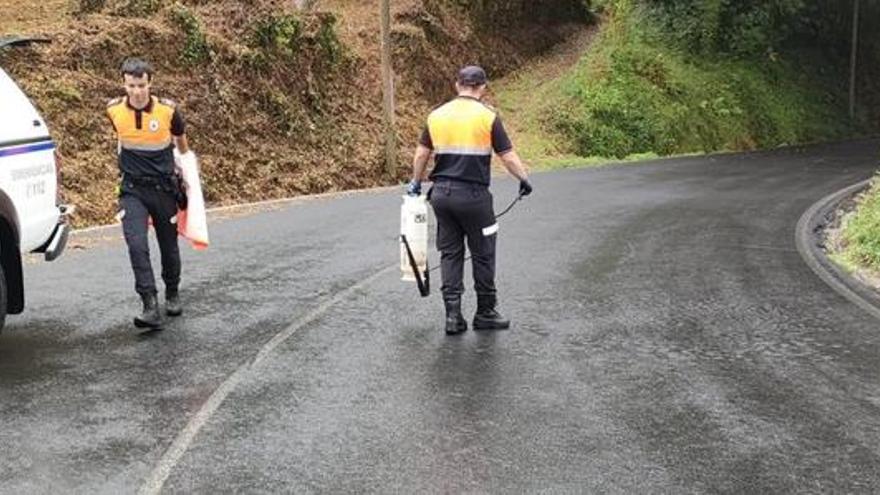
column 192, row 223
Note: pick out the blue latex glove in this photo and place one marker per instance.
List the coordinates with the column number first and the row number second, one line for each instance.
column 414, row 188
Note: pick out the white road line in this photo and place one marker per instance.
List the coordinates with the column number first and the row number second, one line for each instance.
column 184, row 439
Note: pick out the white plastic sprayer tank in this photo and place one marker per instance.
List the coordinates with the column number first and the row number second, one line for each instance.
column 414, row 225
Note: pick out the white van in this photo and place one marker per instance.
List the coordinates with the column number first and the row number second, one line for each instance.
column 31, row 216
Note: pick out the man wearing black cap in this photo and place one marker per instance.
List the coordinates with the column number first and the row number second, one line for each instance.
column 462, row 134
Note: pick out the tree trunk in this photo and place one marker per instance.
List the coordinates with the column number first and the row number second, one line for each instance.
column 388, row 91
column 854, row 57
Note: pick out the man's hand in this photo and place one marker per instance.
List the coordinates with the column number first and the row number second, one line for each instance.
column 525, row 188
column 414, row 188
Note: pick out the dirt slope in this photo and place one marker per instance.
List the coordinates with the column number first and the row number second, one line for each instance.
column 279, row 103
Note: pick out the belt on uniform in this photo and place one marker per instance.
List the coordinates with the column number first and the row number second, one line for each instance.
column 172, row 184
column 149, row 181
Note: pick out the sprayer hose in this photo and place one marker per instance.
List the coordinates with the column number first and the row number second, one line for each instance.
column 509, row 207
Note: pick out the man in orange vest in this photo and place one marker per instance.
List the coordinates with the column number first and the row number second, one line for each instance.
column 148, row 129
column 463, row 134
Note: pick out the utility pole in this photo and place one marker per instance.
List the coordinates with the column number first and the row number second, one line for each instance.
column 388, row 91
column 853, row 61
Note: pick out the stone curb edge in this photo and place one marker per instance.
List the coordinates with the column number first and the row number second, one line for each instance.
column 808, row 238
column 280, row 202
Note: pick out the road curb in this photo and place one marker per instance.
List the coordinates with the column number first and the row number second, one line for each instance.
column 809, row 241
column 254, row 205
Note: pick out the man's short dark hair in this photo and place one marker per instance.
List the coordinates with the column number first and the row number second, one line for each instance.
column 137, row 67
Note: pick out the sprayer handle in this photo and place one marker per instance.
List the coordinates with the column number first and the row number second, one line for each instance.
column 414, row 188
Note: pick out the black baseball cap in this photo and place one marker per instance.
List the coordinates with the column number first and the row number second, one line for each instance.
column 472, row 75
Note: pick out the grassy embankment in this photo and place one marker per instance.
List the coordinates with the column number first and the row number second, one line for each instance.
column 637, row 94
column 859, row 237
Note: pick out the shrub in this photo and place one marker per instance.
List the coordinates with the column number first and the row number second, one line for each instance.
column 195, row 47
column 136, row 8
column 327, row 40
column 278, row 33
column 90, row 6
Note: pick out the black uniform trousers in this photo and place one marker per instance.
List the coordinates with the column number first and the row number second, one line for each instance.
column 465, row 212
column 156, row 201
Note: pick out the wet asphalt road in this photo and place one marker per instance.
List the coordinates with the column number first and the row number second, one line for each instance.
column 667, row 338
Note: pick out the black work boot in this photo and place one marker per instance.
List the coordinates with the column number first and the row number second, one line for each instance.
column 486, row 317
column 172, row 303
column 455, row 322
column 150, row 317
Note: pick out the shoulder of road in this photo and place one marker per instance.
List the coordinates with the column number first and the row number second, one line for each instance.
column 810, row 238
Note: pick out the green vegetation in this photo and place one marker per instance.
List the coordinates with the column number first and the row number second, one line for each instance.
column 195, row 47
column 732, row 27
column 138, row 8
column 861, row 234
column 278, row 34
column 489, row 11
column 639, row 91
column 65, row 92
column 124, row 8
column 328, row 42
column 285, row 112
column 670, row 77
column 288, row 36
column 89, row 6
column 279, row 41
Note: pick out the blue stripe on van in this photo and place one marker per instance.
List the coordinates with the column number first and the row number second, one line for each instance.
column 31, row 148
